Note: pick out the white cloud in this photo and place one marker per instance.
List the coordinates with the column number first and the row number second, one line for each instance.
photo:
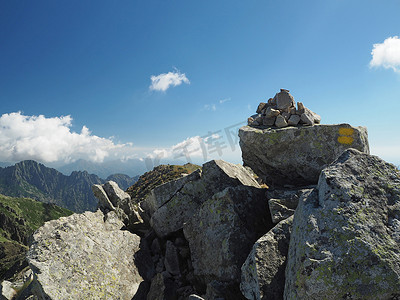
column 51, row 140
column 164, row 81
column 387, row 54
column 224, row 100
column 212, row 107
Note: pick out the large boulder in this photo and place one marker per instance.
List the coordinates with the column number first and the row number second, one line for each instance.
column 174, row 203
column 84, row 257
column 223, row 230
column 345, row 241
column 263, row 273
column 296, row 155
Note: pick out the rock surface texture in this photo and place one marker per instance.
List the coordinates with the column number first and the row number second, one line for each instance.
column 296, row 155
column 174, row 203
column 345, row 237
column 264, row 269
column 84, row 257
column 223, row 230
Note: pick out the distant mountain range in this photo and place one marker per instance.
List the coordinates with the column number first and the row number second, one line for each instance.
column 34, row 180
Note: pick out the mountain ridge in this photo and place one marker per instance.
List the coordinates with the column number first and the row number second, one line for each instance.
column 34, row 180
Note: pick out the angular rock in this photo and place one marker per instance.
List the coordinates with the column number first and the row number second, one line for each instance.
column 345, row 238
column 100, row 194
column 284, row 99
column 296, row 155
column 215, row 177
column 7, row 291
column 163, row 193
column 162, row 288
column 280, row 122
column 83, row 257
column 223, row 230
column 286, row 115
column 171, row 261
column 261, row 107
column 309, row 117
column 283, row 203
column 293, row 120
column 270, row 112
column 115, row 194
column 300, row 108
column 269, row 121
column 263, row 273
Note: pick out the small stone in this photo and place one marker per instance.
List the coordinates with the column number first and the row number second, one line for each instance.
column 300, row 108
column 280, row 122
column 286, row 115
column 270, row 112
column 250, row 121
column 309, row 117
column 269, row 121
column 292, row 110
column 284, row 100
column 261, row 106
column 294, row 120
column 259, row 118
column 271, row 102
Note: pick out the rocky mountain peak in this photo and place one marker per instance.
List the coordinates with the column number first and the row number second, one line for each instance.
column 324, row 225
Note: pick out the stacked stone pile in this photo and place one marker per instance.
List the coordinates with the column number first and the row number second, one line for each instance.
column 281, row 111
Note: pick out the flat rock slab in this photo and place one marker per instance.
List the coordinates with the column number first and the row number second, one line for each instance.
column 345, row 241
column 296, row 155
column 83, row 257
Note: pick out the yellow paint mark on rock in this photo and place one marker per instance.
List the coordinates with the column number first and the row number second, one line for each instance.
column 348, row 140
column 346, row 131
column 345, row 136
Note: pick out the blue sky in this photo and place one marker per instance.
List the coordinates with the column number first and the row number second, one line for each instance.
column 76, row 76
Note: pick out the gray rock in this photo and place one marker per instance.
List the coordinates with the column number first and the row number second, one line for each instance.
column 171, row 260
column 100, row 194
column 309, row 117
column 283, row 203
column 7, row 292
column 215, row 177
column 300, row 108
column 293, row 120
column 345, row 238
column 272, row 102
column 280, row 122
column 286, row 115
column 269, row 121
column 83, row 257
column 263, row 273
column 223, row 230
column 115, row 194
column 161, row 289
column 261, row 107
column 296, row 155
column 284, row 99
column 270, row 112
column 164, row 192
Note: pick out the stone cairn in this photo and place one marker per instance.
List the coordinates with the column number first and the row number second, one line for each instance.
column 280, row 111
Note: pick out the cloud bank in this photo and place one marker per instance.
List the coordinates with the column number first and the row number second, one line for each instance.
column 387, row 54
column 51, row 140
column 164, row 81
